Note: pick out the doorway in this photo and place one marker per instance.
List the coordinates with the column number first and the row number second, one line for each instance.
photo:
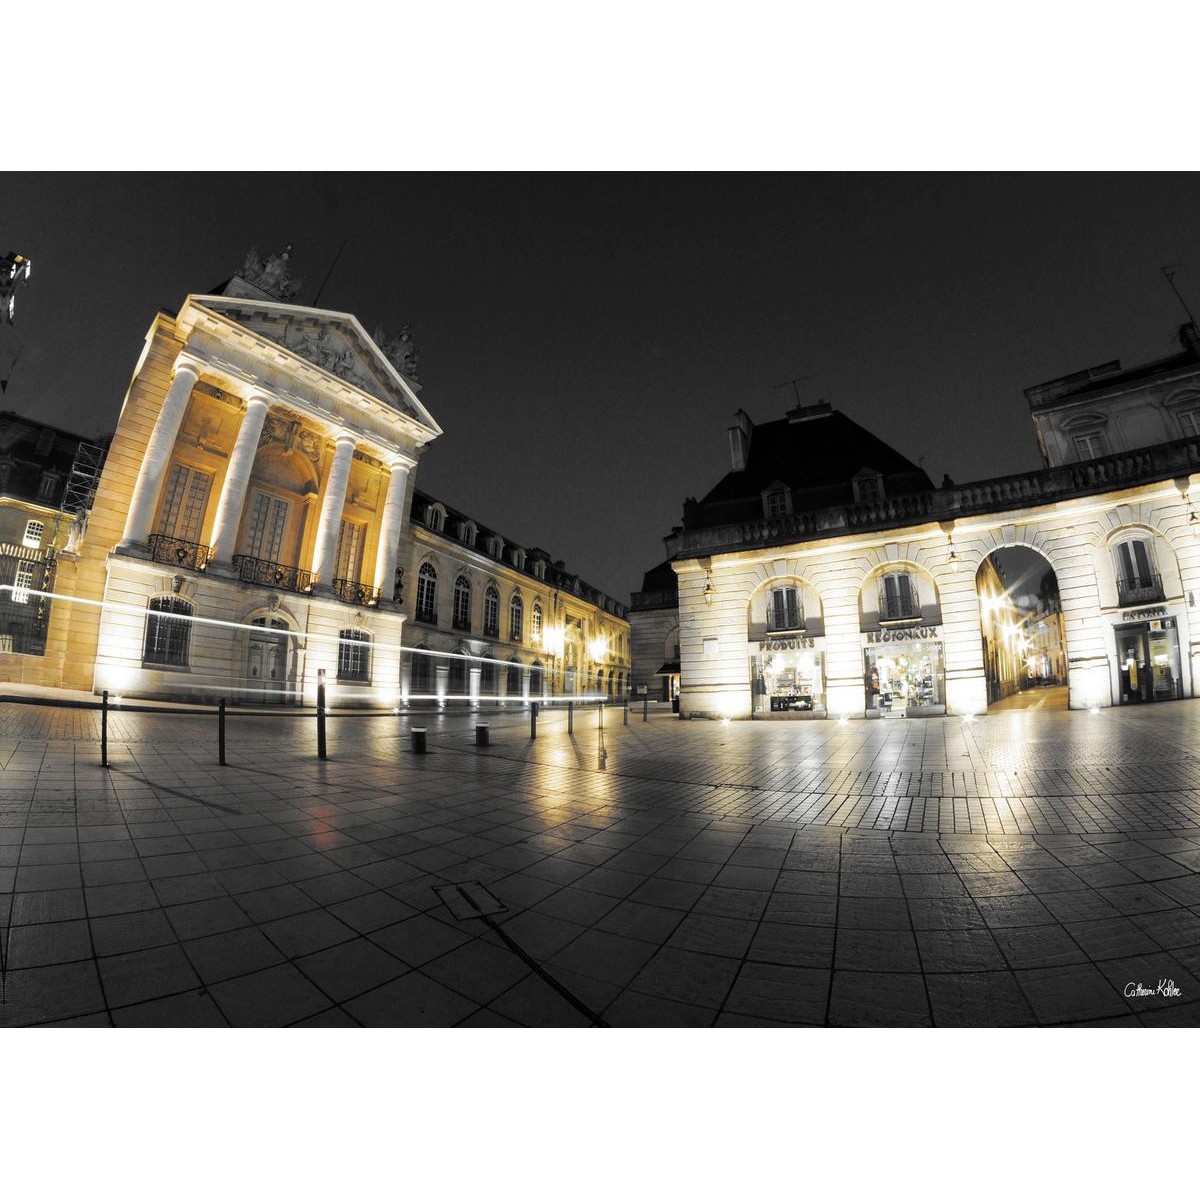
column 1148, row 661
column 267, row 662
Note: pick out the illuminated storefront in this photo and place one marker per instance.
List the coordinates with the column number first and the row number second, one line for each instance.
column 904, row 673
column 1148, row 662
column 787, row 675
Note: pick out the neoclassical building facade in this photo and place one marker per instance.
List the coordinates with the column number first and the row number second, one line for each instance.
column 882, row 604
column 250, row 531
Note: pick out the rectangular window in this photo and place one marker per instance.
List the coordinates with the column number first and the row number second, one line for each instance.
column 268, row 519
column 785, row 609
column 184, row 502
column 777, row 504
column 1089, row 445
column 354, row 656
column 22, row 583
column 1189, row 422
column 899, row 599
column 168, row 632
column 33, row 535
column 350, row 552
column 47, row 487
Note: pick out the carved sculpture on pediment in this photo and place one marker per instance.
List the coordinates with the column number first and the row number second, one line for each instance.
column 310, row 444
column 399, row 351
column 274, row 275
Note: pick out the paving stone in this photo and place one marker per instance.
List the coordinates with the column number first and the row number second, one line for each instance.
column 985, row 998
column 797, row 995
column 860, row 998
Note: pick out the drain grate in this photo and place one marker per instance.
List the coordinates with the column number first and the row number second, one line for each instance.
column 469, row 901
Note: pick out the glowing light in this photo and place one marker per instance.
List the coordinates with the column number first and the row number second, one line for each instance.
column 724, row 720
column 843, row 719
column 968, row 718
column 598, row 647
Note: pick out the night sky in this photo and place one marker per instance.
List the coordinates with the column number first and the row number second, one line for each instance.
column 585, row 339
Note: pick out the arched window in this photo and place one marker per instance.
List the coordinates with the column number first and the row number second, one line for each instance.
column 513, row 683
column 456, row 684
column 784, row 610
column 489, row 678
column 600, row 683
column 535, row 623
column 898, row 597
column 1138, row 580
column 435, row 517
column 491, row 612
column 354, row 656
column 516, row 618
column 537, row 679
column 421, row 672
column 461, row 618
column 168, row 632
column 427, row 594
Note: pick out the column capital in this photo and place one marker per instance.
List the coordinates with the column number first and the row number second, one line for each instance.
column 188, row 362
column 258, row 396
column 398, row 461
column 344, row 435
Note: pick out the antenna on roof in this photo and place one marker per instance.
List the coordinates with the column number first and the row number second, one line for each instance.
column 1168, row 273
column 330, row 271
column 792, row 384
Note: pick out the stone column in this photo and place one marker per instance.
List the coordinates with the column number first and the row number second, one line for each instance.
column 237, row 479
column 325, row 550
column 389, row 529
column 153, row 472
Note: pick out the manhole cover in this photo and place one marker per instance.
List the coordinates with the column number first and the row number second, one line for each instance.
column 468, row 901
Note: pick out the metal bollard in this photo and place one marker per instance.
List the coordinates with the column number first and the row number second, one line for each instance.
column 221, row 732
column 646, row 708
column 570, row 716
column 624, row 710
column 321, row 749
column 533, row 711
column 418, row 741
column 481, row 734
column 104, row 729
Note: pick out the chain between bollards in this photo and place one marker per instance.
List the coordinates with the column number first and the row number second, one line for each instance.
column 221, row 731
column 321, row 749
column 104, row 729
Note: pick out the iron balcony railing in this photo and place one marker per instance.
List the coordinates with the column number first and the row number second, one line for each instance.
column 178, row 553
column 353, row 592
column 900, row 608
column 1140, row 589
column 272, row 574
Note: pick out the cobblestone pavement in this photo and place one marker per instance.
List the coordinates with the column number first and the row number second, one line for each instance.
column 1027, row 868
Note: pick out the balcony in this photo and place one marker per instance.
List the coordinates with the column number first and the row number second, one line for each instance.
column 899, row 610
column 350, row 591
column 178, row 553
column 272, row 574
column 1139, row 589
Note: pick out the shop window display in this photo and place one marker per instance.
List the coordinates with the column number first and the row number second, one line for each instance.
column 788, row 680
column 905, row 678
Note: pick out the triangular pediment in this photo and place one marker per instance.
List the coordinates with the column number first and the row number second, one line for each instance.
column 332, row 341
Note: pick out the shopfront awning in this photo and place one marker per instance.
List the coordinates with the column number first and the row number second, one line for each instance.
column 668, row 668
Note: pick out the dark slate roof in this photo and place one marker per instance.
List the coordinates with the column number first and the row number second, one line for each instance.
column 556, row 574
column 661, row 578
column 817, row 459
column 30, row 449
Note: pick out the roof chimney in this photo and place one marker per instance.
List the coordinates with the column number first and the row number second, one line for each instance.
column 740, row 433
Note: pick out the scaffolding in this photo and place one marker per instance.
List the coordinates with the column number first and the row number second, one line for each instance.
column 85, row 475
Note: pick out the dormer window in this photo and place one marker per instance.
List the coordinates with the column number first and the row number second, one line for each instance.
column 868, row 486
column 518, row 558
column 539, row 568
column 435, row 517
column 467, row 531
column 1090, row 445
column 495, row 547
column 777, row 502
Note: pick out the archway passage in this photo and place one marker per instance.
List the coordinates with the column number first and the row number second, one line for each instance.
column 1021, row 623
